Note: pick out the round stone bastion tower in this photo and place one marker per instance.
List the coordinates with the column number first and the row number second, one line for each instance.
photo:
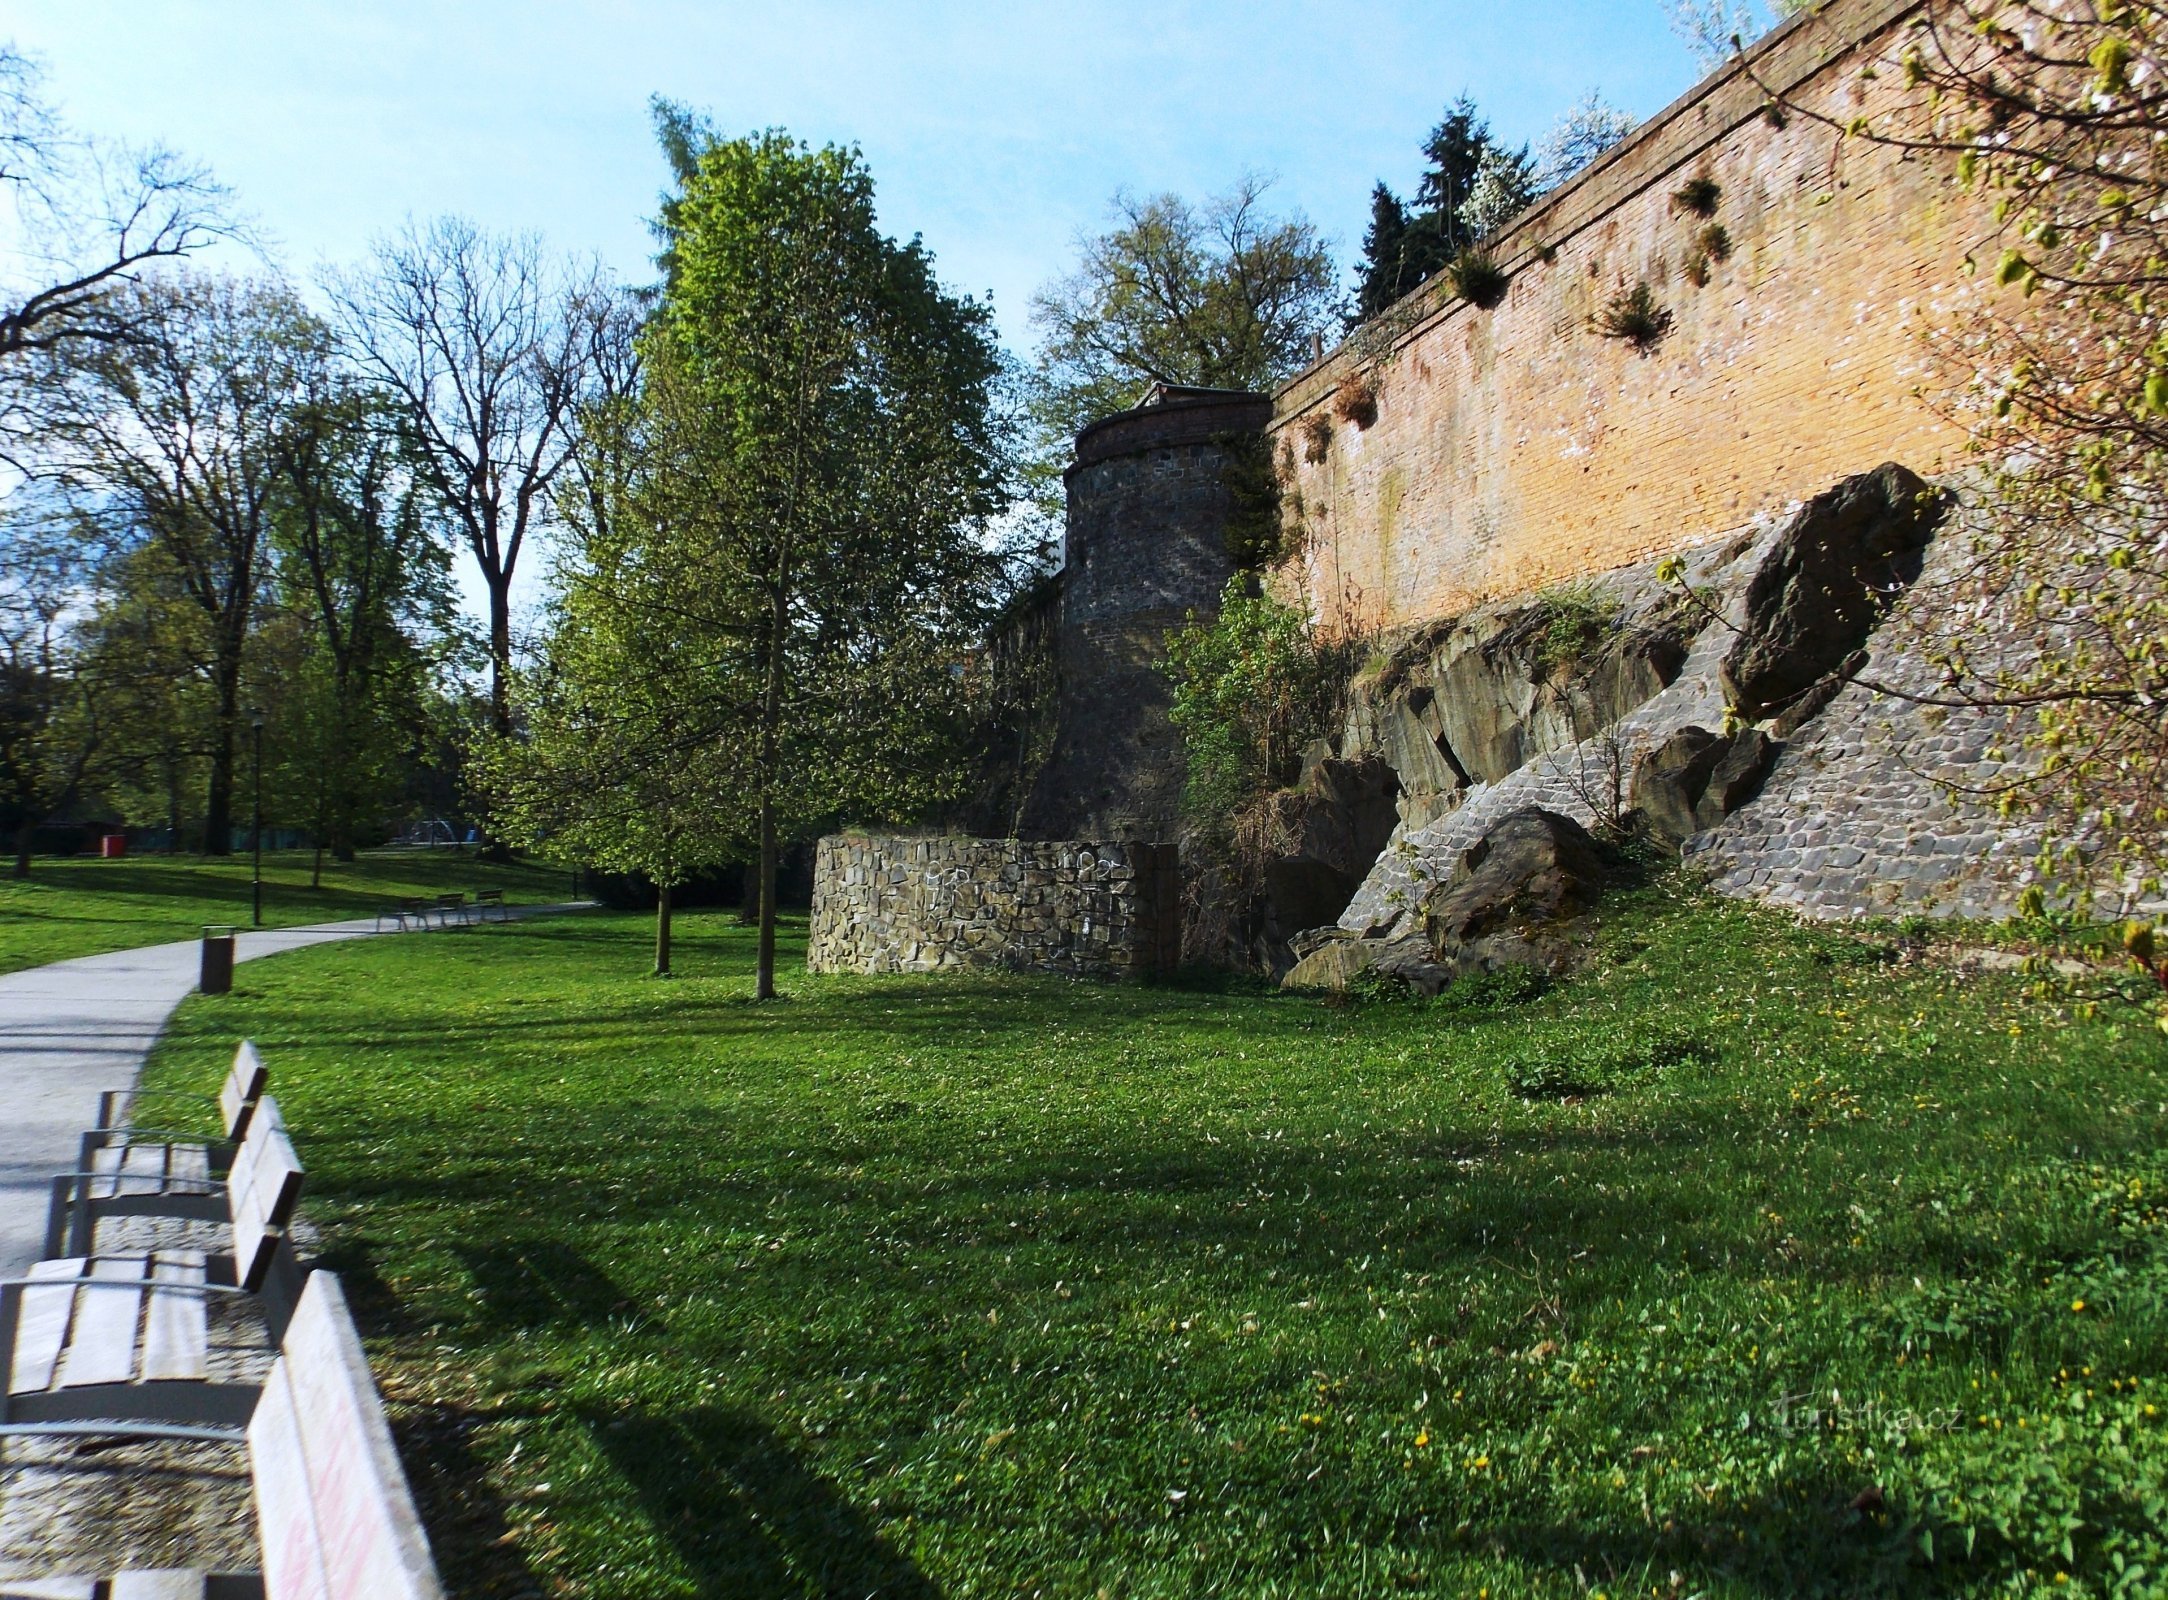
column 1149, row 501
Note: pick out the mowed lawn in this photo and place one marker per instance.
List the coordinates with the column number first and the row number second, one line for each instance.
column 80, row 906
column 1796, row 1265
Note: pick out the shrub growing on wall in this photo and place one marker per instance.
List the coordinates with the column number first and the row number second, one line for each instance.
column 1251, row 688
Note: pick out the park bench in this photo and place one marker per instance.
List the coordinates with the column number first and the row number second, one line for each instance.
column 400, row 912
column 87, row 1336
column 335, row 1518
column 236, row 1100
column 255, row 1194
column 89, row 1342
column 488, row 900
column 450, row 906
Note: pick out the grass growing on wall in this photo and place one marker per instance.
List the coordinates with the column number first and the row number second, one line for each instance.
column 1761, row 1260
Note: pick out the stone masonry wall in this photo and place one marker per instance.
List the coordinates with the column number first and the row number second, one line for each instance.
column 1516, row 447
column 1148, row 504
column 903, row 904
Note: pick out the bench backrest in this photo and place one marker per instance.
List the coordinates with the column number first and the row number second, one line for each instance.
column 261, row 1192
column 244, row 1086
column 337, row 1519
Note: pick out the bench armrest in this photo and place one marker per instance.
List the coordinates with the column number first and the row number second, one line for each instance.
column 138, row 1285
column 204, row 1185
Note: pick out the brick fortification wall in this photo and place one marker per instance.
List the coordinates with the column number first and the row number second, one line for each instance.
column 1516, row 447
column 899, row 904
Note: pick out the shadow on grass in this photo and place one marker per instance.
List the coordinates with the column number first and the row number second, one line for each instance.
column 469, row 1531
column 531, row 1284
column 745, row 1515
column 1802, row 1539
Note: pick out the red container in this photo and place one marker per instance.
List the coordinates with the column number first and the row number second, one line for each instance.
column 112, row 846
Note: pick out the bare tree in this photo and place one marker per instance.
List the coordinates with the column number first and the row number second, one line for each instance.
column 491, row 347
column 83, row 218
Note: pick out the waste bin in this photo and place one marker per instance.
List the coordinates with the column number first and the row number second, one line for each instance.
column 216, row 975
column 112, row 846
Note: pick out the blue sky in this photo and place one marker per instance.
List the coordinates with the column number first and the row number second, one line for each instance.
column 996, row 131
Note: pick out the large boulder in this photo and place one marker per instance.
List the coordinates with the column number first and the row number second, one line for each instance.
column 1824, row 585
column 1695, row 779
column 1533, row 871
column 1513, row 900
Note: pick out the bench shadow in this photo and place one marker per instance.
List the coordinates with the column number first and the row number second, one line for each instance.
column 745, row 1515
column 530, row 1284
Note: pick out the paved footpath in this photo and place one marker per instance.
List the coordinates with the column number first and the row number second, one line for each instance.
column 73, row 1028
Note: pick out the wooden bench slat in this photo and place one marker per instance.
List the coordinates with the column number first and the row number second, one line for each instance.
column 293, row 1558
column 43, row 1326
column 264, row 1190
column 244, row 1085
column 333, row 1507
column 176, row 1327
column 169, row 1583
column 102, row 1343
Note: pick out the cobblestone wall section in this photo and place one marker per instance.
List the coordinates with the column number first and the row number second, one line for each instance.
column 930, row 904
column 1857, row 817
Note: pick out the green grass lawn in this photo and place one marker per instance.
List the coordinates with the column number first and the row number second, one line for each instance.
column 79, row 906
column 1791, row 1268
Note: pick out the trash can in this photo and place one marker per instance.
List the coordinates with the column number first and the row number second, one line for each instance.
column 216, row 975
column 112, row 846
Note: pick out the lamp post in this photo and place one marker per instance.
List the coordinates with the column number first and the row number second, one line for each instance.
column 255, row 722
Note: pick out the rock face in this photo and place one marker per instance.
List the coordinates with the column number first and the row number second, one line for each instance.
column 1472, row 700
column 1511, row 901
column 1695, row 779
column 1819, row 592
column 1339, row 817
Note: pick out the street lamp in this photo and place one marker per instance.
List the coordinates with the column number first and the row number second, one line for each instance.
column 255, row 722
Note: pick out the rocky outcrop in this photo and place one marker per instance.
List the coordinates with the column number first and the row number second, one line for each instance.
column 1513, row 900
column 1695, row 779
column 1336, row 820
column 1825, row 583
column 1472, row 700
column 1514, row 891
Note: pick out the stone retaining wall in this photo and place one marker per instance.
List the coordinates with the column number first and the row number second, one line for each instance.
column 900, row 904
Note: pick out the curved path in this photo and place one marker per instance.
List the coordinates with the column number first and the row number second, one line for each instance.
column 75, row 1027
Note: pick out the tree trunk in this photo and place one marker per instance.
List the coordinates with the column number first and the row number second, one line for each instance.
column 500, row 652
column 764, row 975
column 316, row 866
column 24, row 837
column 662, row 930
column 218, row 797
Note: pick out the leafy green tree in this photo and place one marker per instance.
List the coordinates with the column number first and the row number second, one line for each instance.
column 50, row 728
column 175, row 436
column 365, row 581
column 1252, row 686
column 1220, row 296
column 618, row 760
column 824, row 426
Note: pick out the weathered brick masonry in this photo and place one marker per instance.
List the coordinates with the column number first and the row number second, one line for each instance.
column 1515, row 447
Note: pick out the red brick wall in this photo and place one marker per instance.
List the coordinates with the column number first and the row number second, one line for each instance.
column 1516, row 447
